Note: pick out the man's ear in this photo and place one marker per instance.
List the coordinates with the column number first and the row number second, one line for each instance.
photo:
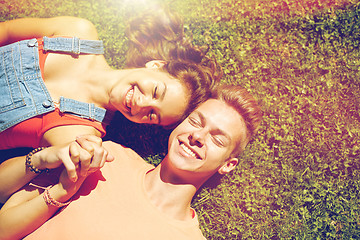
column 155, row 64
column 228, row 166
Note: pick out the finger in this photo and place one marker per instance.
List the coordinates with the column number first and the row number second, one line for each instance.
column 104, row 158
column 101, row 157
column 85, row 144
column 90, row 138
column 98, row 155
column 85, row 161
column 74, row 153
column 109, row 157
column 70, row 160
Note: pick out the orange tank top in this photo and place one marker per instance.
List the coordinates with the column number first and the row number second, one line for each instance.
column 29, row 132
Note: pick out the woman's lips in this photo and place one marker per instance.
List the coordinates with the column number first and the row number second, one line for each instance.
column 128, row 98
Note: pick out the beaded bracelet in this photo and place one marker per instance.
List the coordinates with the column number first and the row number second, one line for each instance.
column 29, row 164
column 50, row 201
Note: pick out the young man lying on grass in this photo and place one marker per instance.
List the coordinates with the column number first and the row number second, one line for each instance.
column 129, row 198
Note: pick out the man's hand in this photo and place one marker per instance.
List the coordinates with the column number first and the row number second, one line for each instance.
column 99, row 155
column 84, row 156
column 89, row 156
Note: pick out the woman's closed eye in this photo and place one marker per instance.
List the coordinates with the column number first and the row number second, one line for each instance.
column 155, row 92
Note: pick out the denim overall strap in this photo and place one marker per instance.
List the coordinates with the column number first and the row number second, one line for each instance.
column 73, row 45
column 23, row 93
column 84, row 110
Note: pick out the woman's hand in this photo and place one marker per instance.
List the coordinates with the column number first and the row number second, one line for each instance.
column 89, row 156
column 99, row 155
column 85, row 155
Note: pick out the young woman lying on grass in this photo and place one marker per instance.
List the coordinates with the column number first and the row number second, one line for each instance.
column 55, row 83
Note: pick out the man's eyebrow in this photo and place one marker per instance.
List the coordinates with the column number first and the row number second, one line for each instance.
column 221, row 132
column 201, row 116
column 217, row 130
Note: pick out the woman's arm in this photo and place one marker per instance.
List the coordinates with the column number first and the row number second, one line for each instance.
column 66, row 134
column 26, row 28
column 14, row 174
column 26, row 210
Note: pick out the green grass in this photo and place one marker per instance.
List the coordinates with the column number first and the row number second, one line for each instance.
column 299, row 177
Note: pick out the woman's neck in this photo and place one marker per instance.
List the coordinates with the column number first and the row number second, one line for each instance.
column 101, row 82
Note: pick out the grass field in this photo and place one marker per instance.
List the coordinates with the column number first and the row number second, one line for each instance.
column 299, row 178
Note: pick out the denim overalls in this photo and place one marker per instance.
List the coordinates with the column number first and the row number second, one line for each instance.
column 23, row 93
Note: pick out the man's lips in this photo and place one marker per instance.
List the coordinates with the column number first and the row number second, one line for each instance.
column 189, row 151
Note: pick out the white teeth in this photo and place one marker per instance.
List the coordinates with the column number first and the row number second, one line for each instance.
column 128, row 97
column 188, row 150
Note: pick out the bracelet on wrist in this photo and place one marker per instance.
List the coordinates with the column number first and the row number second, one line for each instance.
column 51, row 201
column 29, row 164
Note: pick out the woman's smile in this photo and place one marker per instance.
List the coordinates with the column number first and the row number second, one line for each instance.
column 128, row 98
column 150, row 96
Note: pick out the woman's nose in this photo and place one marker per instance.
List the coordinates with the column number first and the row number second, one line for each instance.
column 141, row 103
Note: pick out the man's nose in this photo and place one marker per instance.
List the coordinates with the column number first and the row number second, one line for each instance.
column 197, row 138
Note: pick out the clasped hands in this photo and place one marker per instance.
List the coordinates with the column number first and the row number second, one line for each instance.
column 80, row 158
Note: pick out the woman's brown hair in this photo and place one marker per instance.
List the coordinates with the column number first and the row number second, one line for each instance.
column 159, row 34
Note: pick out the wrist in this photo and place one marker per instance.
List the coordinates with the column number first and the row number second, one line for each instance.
column 36, row 161
column 68, row 187
column 33, row 161
column 58, row 194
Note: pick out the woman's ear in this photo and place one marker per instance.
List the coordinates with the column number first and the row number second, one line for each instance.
column 155, row 64
column 228, row 166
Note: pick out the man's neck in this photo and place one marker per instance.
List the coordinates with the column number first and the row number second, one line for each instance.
column 169, row 196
